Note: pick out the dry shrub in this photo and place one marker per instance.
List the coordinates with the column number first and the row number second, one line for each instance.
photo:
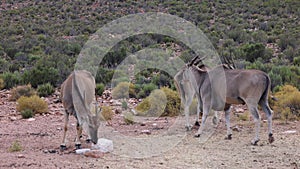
column 34, row 103
column 25, row 90
column 106, row 113
column 288, row 105
column 161, row 102
column 15, row 147
column 128, row 118
column 243, row 116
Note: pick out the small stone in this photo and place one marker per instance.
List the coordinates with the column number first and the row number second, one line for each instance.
column 236, row 128
column 146, row 132
column 239, row 110
column 52, row 151
column 31, row 119
column 290, row 132
column 13, row 118
column 21, row 156
column 155, row 125
column 118, row 111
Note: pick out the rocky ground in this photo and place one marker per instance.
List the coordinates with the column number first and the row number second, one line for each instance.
column 149, row 143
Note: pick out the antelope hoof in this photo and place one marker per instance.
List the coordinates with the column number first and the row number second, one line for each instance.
column 188, row 128
column 197, row 135
column 229, row 137
column 197, row 123
column 63, row 147
column 271, row 138
column 254, row 142
column 78, row 146
column 88, row 140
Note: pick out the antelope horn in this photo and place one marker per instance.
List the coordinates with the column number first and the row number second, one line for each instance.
column 199, row 60
column 192, row 61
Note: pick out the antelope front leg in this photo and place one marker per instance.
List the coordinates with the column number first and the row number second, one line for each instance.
column 215, row 118
column 188, row 126
column 63, row 144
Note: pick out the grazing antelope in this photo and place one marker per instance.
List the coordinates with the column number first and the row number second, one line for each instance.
column 77, row 95
column 221, row 87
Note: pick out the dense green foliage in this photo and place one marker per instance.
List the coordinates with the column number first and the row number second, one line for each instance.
column 40, row 40
column 27, row 113
column 100, row 87
column 45, row 90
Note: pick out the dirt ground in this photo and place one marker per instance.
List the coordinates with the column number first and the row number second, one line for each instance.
column 170, row 146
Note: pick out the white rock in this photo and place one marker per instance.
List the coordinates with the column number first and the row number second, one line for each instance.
column 239, row 110
column 21, row 156
column 31, row 119
column 13, row 118
column 103, row 145
column 82, row 151
column 289, row 132
column 146, row 132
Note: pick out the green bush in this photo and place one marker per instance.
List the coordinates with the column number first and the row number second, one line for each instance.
column 288, row 105
column 27, row 113
column 124, row 104
column 45, row 90
column 141, row 94
column 1, row 83
column 100, row 87
column 251, row 52
column 154, row 105
column 148, row 88
column 123, row 90
column 161, row 102
column 25, row 90
column 34, row 103
column 173, row 102
column 11, row 79
column 40, row 75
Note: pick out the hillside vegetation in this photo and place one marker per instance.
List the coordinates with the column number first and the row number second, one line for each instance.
column 40, row 40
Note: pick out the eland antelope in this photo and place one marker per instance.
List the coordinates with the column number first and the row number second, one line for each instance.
column 187, row 92
column 221, row 87
column 77, row 95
